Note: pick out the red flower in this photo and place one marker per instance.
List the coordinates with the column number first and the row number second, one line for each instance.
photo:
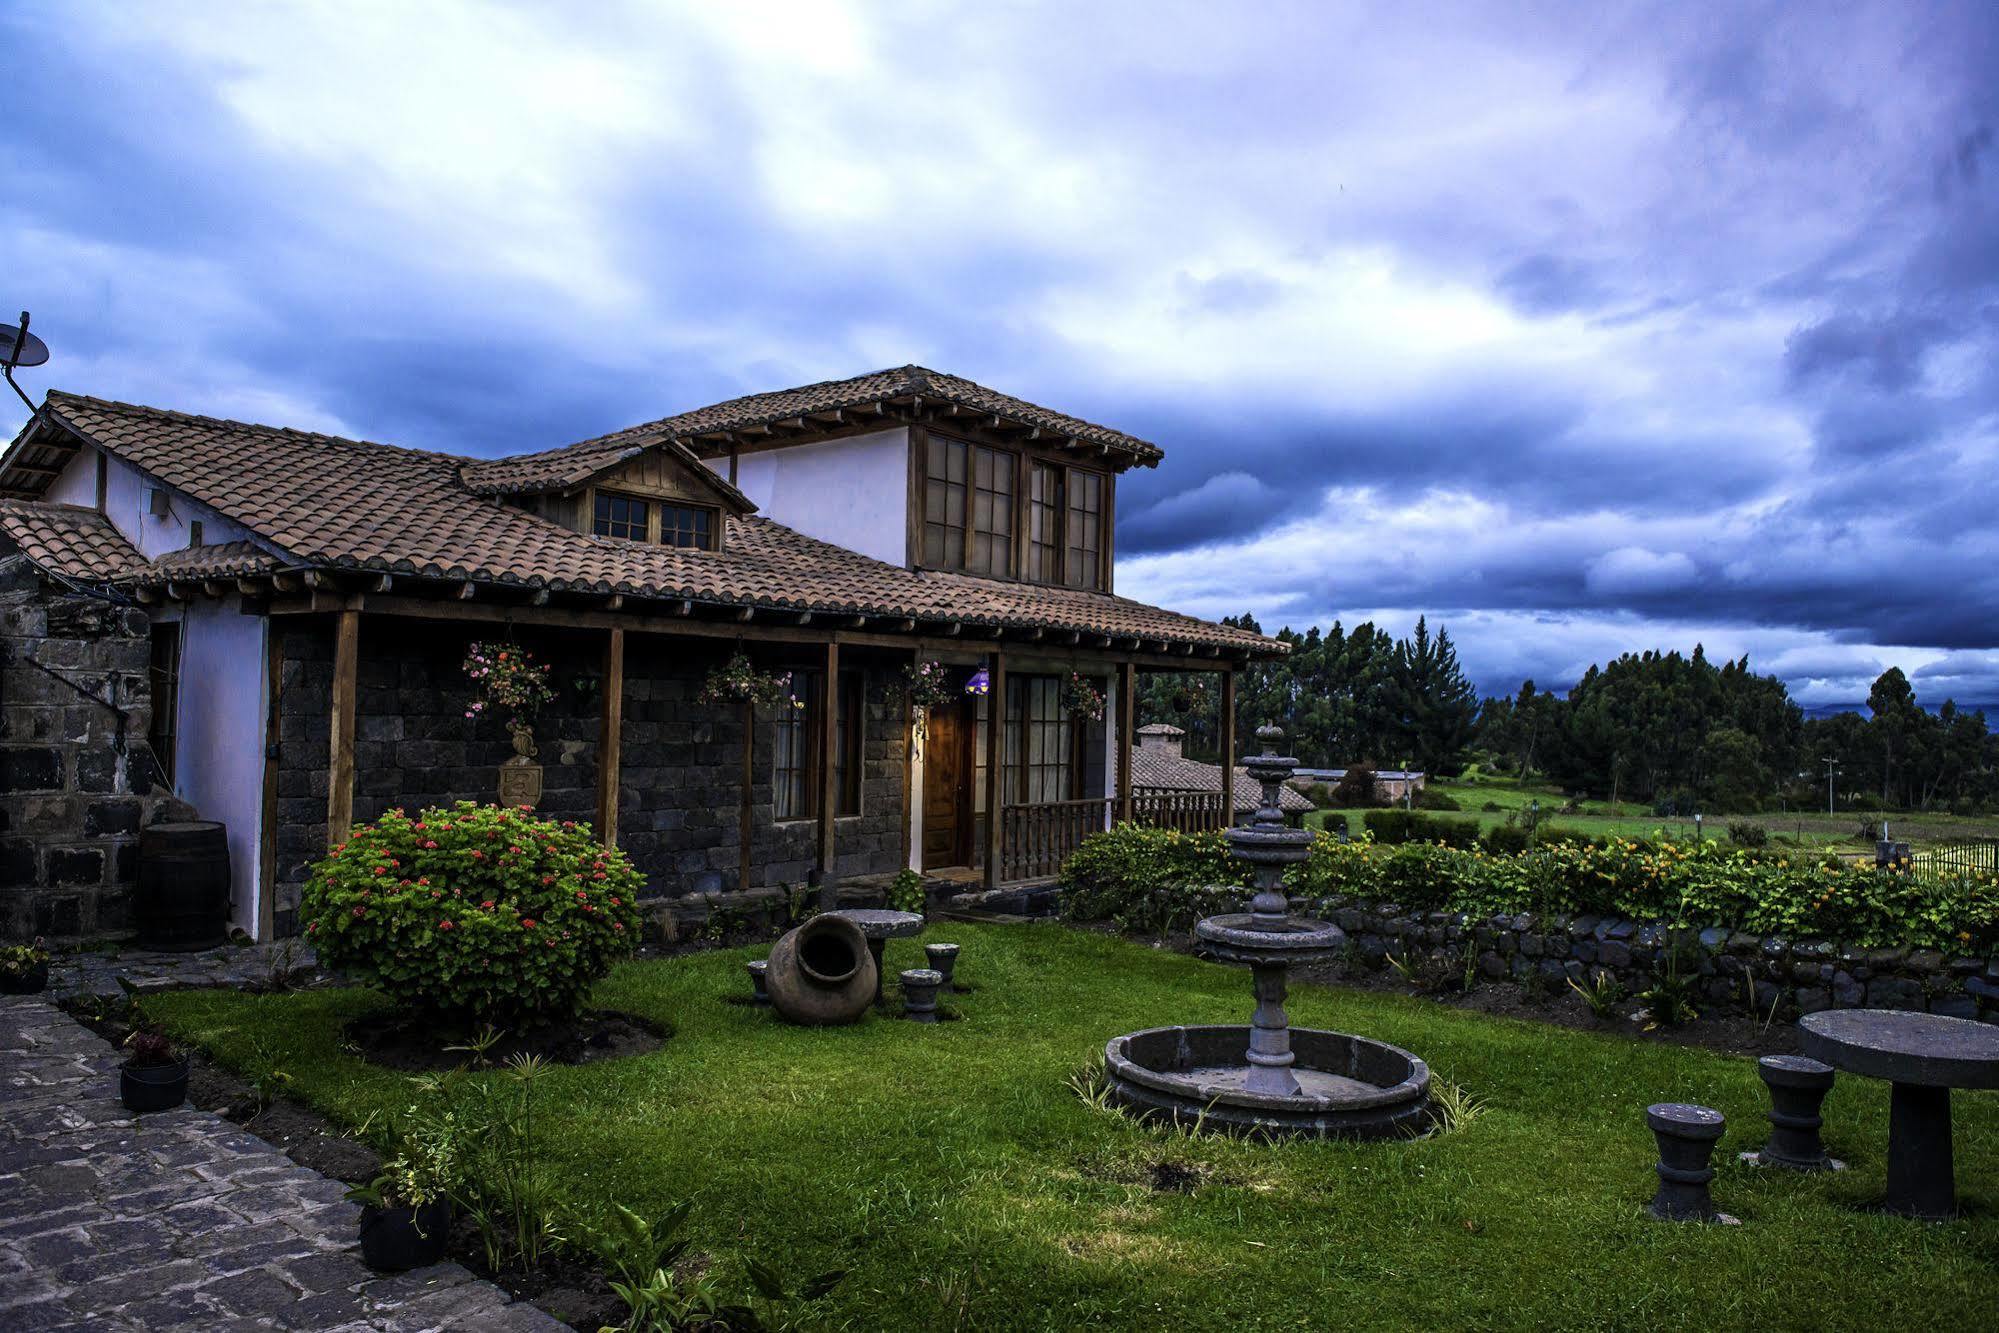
column 617, row 925
column 527, row 923
column 444, row 925
column 488, row 904
column 360, row 911
column 478, row 855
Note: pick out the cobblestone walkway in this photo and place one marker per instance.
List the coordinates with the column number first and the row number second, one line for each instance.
column 181, row 1220
column 97, row 972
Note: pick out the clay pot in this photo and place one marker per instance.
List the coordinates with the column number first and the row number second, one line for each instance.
column 398, row 1238
column 822, row 974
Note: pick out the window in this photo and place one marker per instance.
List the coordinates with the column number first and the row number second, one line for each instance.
column 944, row 494
column 1086, row 530
column 968, row 507
column 795, row 767
column 164, row 675
column 687, row 525
column 622, row 516
column 1044, row 523
column 1040, row 740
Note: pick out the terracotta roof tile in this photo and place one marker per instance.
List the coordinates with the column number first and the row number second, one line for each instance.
column 573, row 464
column 1161, row 770
column 322, row 500
column 67, row 540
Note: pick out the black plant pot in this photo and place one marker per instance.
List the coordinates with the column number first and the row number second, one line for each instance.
column 32, row 982
column 153, row 1087
column 399, row 1238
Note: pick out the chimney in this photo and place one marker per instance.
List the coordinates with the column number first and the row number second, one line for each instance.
column 1163, row 738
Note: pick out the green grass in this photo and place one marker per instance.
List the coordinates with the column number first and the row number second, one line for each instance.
column 965, row 1186
column 1838, row 832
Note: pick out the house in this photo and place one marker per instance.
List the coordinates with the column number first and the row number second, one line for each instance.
column 1390, row 784
column 1161, row 772
column 293, row 609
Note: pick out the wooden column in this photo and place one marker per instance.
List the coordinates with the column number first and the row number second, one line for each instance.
column 1127, row 725
column 1228, row 748
column 610, row 737
column 340, row 760
column 995, row 765
column 829, row 732
column 267, row 820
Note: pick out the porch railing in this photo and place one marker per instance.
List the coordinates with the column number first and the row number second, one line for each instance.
column 1947, row 860
column 1036, row 839
column 1187, row 811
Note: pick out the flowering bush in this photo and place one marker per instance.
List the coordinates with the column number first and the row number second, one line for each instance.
column 736, row 681
column 1082, row 699
column 474, row 912
column 928, row 684
column 1144, row 877
column 508, row 679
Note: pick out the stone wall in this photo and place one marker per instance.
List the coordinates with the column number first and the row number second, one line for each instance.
column 77, row 778
column 1794, row 976
column 680, row 782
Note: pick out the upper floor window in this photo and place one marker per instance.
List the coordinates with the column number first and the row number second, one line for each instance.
column 991, row 511
column 687, row 525
column 623, row 516
column 632, row 519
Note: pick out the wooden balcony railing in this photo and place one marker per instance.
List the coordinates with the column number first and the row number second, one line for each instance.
column 1036, row 839
column 1187, row 811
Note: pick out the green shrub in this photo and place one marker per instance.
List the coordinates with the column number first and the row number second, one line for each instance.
column 1151, row 880
column 1399, row 826
column 474, row 913
column 1506, row 840
column 1429, row 798
column 1143, row 877
column 1355, row 789
column 1745, row 834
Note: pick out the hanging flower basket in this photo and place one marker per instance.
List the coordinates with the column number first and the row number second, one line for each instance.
column 1191, row 698
column 737, row 682
column 508, row 680
column 1081, row 699
column 928, row 685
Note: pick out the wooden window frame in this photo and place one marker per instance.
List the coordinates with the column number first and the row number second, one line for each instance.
column 656, row 507
column 1075, row 737
column 960, row 531
column 649, row 525
column 659, row 528
column 805, row 724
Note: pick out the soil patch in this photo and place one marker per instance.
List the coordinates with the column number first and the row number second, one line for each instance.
column 415, row 1045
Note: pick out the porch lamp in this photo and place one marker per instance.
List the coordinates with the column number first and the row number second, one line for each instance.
column 980, row 683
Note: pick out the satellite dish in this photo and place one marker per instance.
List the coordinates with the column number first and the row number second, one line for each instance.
column 18, row 347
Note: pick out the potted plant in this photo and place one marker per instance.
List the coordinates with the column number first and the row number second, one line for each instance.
column 928, row 685
column 406, row 1211
column 1081, row 699
column 737, row 681
column 154, row 1075
column 24, row 969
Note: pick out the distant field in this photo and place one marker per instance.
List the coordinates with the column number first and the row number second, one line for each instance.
column 1807, row 828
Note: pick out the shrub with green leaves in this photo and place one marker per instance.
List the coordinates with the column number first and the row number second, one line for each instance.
column 1144, row 877
column 474, row 913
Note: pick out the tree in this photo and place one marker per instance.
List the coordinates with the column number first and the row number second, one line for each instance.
column 1436, row 706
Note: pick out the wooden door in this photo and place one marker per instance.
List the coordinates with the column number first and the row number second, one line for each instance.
column 947, row 765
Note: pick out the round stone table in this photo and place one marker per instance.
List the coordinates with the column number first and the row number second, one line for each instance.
column 881, row 925
column 1923, row 1056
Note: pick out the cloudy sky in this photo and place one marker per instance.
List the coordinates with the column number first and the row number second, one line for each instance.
column 1581, row 328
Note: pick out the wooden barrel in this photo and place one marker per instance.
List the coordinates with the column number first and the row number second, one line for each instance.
column 183, row 898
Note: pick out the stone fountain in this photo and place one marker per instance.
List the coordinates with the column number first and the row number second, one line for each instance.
column 1270, row 1076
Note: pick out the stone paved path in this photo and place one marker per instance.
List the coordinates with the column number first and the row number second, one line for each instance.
column 180, row 1220
column 98, row 972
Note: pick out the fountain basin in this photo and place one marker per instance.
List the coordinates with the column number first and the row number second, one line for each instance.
column 1349, row 1087
column 1242, row 937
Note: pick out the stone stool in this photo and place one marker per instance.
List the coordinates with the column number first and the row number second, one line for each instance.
column 943, row 959
column 1686, row 1136
column 919, row 994
column 1798, row 1085
column 757, row 970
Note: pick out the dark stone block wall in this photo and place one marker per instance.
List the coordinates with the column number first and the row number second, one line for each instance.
column 680, row 780
column 77, row 778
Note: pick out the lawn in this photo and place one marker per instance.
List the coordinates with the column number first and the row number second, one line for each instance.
column 964, row 1186
column 1815, row 828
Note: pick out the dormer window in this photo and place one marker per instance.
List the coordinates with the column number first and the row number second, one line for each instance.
column 663, row 523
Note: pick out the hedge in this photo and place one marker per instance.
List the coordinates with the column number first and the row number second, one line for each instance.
column 1153, row 879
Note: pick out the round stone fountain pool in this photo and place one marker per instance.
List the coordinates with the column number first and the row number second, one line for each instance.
column 1348, row 1087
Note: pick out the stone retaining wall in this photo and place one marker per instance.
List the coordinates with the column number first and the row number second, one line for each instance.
column 77, row 778
column 1792, row 976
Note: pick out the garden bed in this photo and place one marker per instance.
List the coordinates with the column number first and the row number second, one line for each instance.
column 961, row 1182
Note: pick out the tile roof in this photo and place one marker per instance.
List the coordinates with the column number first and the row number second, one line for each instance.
column 1161, row 769
column 569, row 466
column 565, row 469
column 326, row 501
column 67, row 540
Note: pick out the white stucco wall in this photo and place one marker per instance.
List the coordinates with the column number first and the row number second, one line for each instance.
column 126, row 505
column 219, row 752
column 853, row 491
